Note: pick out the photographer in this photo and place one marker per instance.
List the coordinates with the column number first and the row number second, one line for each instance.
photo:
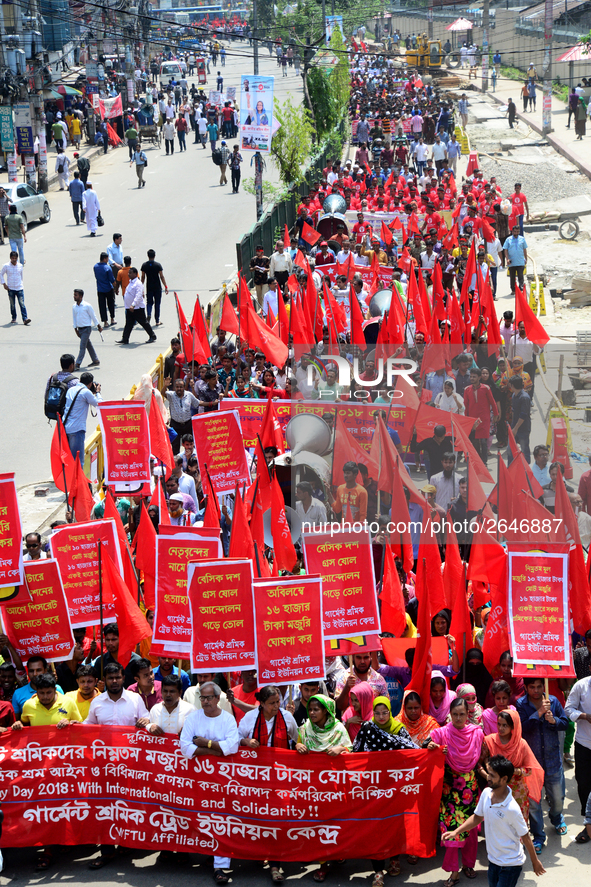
column 78, row 399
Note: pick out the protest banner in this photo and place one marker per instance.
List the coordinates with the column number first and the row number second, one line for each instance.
column 290, row 637
column 367, row 275
column 538, row 608
column 221, row 605
column 75, row 549
column 126, row 441
column 344, row 561
column 42, row 626
column 218, row 444
column 172, row 616
column 132, row 788
column 11, row 534
column 256, row 113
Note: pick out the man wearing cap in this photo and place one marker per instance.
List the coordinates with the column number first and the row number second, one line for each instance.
column 324, row 256
column 375, row 250
column 515, row 249
column 429, row 491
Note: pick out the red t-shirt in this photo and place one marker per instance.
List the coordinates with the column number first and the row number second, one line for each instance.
column 360, row 229
column 249, row 698
column 518, row 202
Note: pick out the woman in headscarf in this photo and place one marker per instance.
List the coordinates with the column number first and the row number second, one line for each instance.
column 441, row 698
column 528, row 778
column 462, row 743
column 322, row 733
column 384, row 733
column 517, row 370
column 476, row 674
column 419, row 726
column 468, row 692
column 581, row 118
column 449, row 400
column 501, row 693
column 360, row 710
column 504, row 672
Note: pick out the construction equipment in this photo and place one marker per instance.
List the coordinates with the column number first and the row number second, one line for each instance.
column 427, row 54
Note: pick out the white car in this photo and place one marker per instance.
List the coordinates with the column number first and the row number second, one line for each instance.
column 32, row 206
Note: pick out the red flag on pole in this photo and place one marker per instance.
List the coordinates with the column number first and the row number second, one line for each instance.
column 228, row 320
column 132, row 624
column 159, row 439
column 420, row 681
column 534, row 329
column 309, row 234
column 285, row 553
column 145, row 555
column 200, row 327
column 62, row 461
column 271, row 433
column 393, row 614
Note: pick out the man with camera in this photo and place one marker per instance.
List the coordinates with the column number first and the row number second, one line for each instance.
column 78, row 399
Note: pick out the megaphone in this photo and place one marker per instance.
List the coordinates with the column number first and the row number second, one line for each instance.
column 334, row 203
column 307, row 431
column 293, row 519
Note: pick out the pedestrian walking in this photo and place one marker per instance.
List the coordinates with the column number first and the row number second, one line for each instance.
column 58, row 135
column 76, row 194
column 201, row 131
column 219, row 83
column 235, row 161
column 225, row 156
column 213, row 133
column 153, row 276
column 168, row 133
column 131, row 136
column 223, row 56
column 511, row 113
column 92, row 208
column 525, row 96
column 463, row 106
column 4, row 210
column 15, row 231
column 581, row 118
column 140, row 160
column 181, row 131
column 105, row 283
column 12, row 281
column 84, row 320
column 105, row 135
column 135, row 309
column 62, row 168
column 83, row 168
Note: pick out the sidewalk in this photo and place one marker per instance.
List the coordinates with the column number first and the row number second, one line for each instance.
column 562, row 139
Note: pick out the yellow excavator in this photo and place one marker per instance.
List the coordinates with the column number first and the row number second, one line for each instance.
column 427, row 54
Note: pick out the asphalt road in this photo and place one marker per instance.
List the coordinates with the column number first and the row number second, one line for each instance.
column 183, row 214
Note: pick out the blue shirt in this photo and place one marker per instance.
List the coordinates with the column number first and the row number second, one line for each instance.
column 76, row 414
column 454, row 149
column 20, row 696
column 541, row 736
column 76, row 190
column 115, row 254
column 542, row 475
column 105, row 280
column 185, row 679
column 516, row 247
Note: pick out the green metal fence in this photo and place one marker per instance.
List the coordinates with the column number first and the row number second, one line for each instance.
column 284, row 212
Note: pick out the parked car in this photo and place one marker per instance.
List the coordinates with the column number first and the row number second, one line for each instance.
column 33, row 207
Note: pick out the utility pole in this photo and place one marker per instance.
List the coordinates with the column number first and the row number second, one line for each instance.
column 485, row 49
column 430, row 21
column 324, row 18
column 332, row 6
column 547, row 68
column 255, row 39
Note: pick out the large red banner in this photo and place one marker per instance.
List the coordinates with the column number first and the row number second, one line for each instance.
column 75, row 549
column 128, row 787
column 126, row 441
column 218, row 443
column 538, row 608
column 11, row 534
column 41, row 627
column 172, row 617
column 290, row 636
column 222, row 614
column 344, row 561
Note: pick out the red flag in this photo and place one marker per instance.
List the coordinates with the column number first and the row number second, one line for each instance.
column 488, row 232
column 429, row 561
column 145, row 555
column 386, row 234
column 261, row 337
column 159, row 500
column 346, row 449
column 400, row 539
column 502, row 495
column 212, row 516
column 228, row 320
column 62, row 461
column 132, row 624
column 285, row 553
column 128, row 570
column 286, row 238
column 309, row 234
column 384, row 453
column 271, row 319
column 453, row 568
column 264, row 483
column 191, row 345
column 200, row 328
column 357, row 334
column 420, row 681
column 283, row 319
column 302, row 261
column 477, row 499
column 463, row 442
column 241, row 544
column 393, row 614
column 578, row 577
column 81, row 499
column 271, row 433
column 534, row 329
column 488, row 559
column 159, row 439
column 451, row 240
column 496, row 638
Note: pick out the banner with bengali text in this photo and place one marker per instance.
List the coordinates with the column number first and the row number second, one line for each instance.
column 42, row 626
column 218, row 444
column 126, row 441
column 222, row 612
column 128, row 787
column 538, row 608
column 344, row 561
column 75, row 549
column 11, row 534
column 172, row 616
column 290, row 636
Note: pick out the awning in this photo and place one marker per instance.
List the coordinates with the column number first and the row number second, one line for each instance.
column 460, row 24
column 578, row 53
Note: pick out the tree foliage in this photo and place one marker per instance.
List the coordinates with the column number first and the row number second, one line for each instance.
column 292, row 142
column 329, row 88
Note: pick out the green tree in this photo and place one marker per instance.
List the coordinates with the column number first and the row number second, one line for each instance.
column 292, row 143
column 328, row 87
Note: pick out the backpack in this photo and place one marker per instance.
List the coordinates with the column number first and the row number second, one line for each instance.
column 216, row 156
column 55, row 396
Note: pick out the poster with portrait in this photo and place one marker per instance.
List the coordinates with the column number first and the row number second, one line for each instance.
column 256, row 113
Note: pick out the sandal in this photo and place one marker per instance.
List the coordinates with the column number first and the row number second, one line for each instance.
column 276, row 875
column 393, row 869
column 220, row 877
column 101, row 861
column 561, row 830
column 321, row 873
column 583, row 837
column 378, row 880
column 452, row 881
column 412, row 860
column 44, row 861
column 470, row 873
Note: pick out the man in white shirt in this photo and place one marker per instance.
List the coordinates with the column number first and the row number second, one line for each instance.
column 270, row 299
column 446, row 482
column 302, row 377
column 33, row 546
column 169, row 715
column 578, row 708
column 135, row 309
column 211, row 731
column 12, row 281
column 344, row 254
column 505, row 830
column 185, row 481
column 280, row 265
column 193, row 694
column 311, row 510
column 439, row 153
